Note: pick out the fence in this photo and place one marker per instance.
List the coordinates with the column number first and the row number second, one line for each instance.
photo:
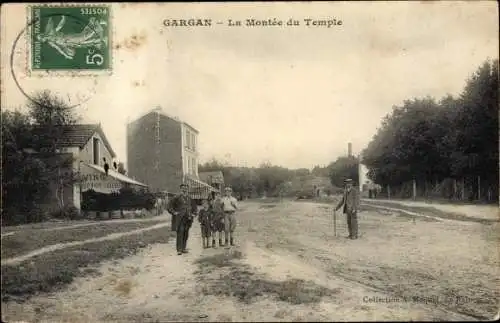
column 470, row 188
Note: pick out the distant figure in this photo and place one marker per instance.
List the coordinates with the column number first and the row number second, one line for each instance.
column 106, row 165
column 205, row 219
column 217, row 218
column 159, row 206
column 229, row 206
column 115, row 166
column 350, row 200
column 182, row 210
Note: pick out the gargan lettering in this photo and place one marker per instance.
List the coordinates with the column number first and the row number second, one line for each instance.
column 187, row 22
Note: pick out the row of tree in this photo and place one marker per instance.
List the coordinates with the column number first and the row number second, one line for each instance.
column 273, row 180
column 453, row 140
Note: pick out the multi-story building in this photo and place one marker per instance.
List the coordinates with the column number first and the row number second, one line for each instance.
column 162, row 151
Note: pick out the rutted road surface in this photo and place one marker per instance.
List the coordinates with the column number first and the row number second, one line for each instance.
column 290, row 267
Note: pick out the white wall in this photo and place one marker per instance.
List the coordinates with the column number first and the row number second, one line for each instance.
column 87, row 153
column 363, row 176
column 189, row 154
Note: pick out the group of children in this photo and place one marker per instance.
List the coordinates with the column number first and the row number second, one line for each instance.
column 211, row 220
column 216, row 216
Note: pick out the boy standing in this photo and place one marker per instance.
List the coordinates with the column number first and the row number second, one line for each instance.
column 217, row 218
column 205, row 219
column 229, row 206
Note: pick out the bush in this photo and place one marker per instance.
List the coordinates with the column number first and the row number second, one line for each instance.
column 68, row 212
column 15, row 216
column 304, row 195
column 126, row 199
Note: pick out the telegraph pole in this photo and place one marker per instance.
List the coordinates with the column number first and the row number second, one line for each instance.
column 157, row 142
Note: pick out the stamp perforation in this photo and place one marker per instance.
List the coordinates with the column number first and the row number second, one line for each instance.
column 75, row 72
column 66, row 5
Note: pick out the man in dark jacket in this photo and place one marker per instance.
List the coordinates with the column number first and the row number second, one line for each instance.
column 182, row 210
column 350, row 200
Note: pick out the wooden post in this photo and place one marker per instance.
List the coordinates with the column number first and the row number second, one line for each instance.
column 454, row 188
column 334, row 222
column 463, row 188
column 389, row 192
column 479, row 187
column 414, row 190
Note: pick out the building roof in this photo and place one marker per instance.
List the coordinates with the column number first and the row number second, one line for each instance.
column 77, row 135
column 118, row 176
column 212, row 177
column 197, row 188
column 162, row 112
column 190, row 126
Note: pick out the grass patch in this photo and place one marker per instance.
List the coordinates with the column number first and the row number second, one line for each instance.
column 25, row 241
column 218, row 261
column 124, row 287
column 434, row 212
column 271, row 200
column 44, row 225
column 267, row 206
column 52, row 271
column 400, row 213
column 240, row 282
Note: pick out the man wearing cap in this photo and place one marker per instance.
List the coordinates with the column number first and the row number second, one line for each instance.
column 182, row 210
column 229, row 207
column 350, row 200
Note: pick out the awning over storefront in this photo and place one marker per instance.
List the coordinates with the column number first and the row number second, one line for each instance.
column 197, row 188
column 94, row 177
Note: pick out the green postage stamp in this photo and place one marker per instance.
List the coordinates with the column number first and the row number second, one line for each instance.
column 70, row 37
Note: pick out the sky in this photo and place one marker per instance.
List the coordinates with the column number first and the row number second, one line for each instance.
column 293, row 96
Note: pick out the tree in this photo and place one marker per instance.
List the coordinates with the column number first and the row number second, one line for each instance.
column 211, row 165
column 343, row 168
column 320, row 171
column 240, row 179
column 50, row 113
column 431, row 141
column 302, row 172
column 53, row 115
column 23, row 185
column 26, row 172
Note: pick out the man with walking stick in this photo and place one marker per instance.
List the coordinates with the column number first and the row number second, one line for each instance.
column 350, row 201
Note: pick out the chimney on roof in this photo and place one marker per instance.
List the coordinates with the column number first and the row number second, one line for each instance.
column 349, row 149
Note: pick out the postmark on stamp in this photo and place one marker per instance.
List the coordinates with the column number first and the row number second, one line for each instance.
column 69, row 38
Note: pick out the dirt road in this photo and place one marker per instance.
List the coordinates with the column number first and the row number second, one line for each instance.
column 289, row 267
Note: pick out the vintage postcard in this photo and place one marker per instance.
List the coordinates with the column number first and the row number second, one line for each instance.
column 250, row 161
